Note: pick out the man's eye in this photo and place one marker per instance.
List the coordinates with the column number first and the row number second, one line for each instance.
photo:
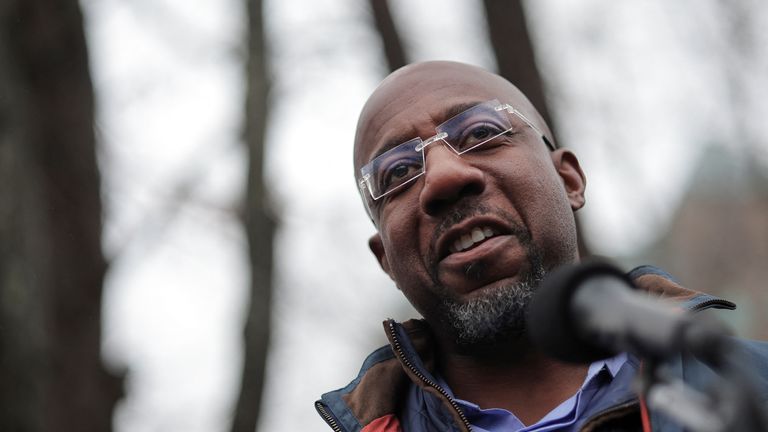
column 397, row 174
column 400, row 171
column 477, row 134
column 481, row 133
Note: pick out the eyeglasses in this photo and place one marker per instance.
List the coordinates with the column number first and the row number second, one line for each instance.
column 483, row 123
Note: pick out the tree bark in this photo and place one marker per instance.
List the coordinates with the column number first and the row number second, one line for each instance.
column 394, row 51
column 516, row 59
column 260, row 227
column 51, row 263
column 511, row 42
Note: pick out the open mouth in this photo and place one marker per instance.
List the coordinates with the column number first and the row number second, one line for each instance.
column 471, row 239
column 470, row 235
column 478, row 251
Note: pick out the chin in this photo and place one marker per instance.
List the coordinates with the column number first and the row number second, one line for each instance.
column 491, row 314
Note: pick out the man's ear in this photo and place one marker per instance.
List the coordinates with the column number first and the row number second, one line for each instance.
column 567, row 166
column 377, row 247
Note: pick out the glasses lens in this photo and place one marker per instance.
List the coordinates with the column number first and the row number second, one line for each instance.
column 394, row 168
column 476, row 126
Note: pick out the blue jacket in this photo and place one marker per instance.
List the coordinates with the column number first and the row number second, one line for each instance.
column 396, row 391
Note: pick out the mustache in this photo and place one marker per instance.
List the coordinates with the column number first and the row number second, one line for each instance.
column 463, row 211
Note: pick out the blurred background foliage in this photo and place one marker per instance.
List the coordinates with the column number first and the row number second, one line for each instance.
column 181, row 243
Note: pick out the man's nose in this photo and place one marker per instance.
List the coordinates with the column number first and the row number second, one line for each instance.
column 448, row 178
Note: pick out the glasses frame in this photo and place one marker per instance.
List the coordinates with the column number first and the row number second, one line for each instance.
column 363, row 182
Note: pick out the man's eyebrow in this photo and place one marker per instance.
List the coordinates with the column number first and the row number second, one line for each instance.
column 457, row 109
column 394, row 142
column 446, row 114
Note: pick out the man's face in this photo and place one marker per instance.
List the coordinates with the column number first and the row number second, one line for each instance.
column 472, row 228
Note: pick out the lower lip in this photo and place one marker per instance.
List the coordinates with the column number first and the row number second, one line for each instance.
column 484, row 249
column 501, row 258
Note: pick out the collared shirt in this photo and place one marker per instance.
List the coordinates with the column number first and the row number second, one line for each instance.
column 561, row 418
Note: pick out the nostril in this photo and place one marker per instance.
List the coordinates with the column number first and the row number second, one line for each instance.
column 438, row 205
column 471, row 189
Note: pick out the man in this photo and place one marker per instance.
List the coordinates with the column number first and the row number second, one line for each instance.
column 473, row 205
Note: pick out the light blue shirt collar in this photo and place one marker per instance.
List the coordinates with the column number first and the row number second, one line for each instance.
column 564, row 415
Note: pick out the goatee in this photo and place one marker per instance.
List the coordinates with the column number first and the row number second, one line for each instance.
column 496, row 315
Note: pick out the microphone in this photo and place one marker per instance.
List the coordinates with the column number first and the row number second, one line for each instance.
column 586, row 312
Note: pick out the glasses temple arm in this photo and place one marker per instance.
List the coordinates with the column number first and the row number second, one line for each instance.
column 514, row 111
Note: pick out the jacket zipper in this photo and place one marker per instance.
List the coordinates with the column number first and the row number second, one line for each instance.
column 712, row 302
column 327, row 417
column 399, row 350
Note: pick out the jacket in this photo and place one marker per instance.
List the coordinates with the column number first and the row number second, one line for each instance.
column 395, row 389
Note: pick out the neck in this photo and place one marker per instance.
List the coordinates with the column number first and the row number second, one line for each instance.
column 514, row 377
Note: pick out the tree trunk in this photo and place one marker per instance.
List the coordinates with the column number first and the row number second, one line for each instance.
column 515, row 56
column 51, row 264
column 259, row 225
column 511, row 42
column 390, row 38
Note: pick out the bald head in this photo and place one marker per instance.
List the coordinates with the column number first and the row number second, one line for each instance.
column 418, row 91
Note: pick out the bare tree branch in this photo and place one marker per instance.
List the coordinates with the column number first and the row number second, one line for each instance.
column 259, row 225
column 511, row 42
column 390, row 38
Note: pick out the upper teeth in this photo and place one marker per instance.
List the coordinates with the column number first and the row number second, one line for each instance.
column 467, row 240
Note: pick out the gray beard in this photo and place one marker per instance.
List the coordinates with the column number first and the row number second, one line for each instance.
column 496, row 315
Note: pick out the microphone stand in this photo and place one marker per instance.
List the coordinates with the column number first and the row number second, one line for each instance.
column 729, row 404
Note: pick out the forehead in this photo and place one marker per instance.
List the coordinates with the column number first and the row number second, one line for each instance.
column 413, row 101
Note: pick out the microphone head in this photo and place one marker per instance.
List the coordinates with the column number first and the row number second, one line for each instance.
column 550, row 323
